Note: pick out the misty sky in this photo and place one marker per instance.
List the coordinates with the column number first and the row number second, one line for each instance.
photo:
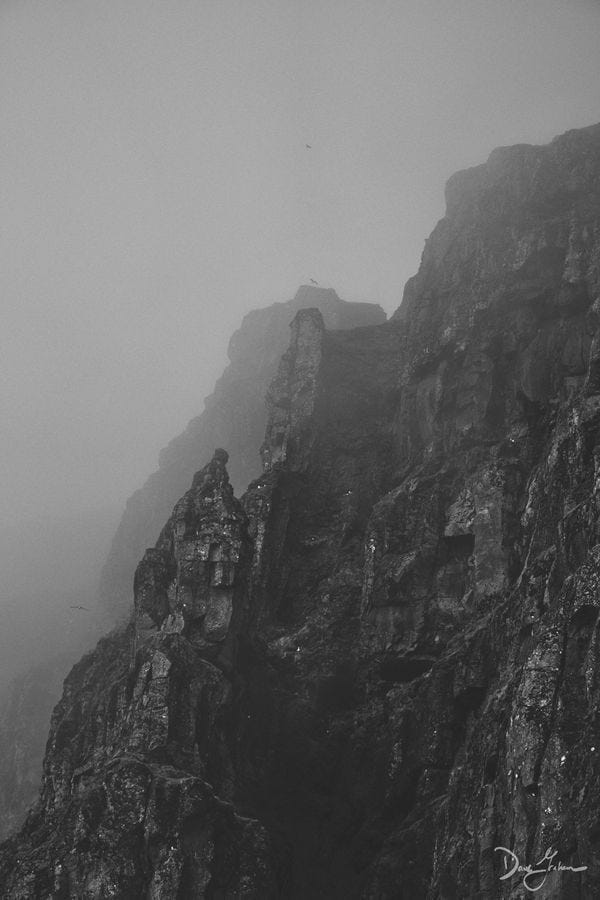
column 156, row 186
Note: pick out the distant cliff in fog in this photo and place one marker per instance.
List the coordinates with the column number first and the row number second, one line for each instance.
column 234, row 417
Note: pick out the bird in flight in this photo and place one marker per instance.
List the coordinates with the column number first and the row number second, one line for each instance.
column 312, row 281
column 80, row 607
column 308, row 146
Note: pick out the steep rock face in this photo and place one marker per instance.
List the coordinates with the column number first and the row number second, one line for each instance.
column 480, row 551
column 200, row 704
column 382, row 663
column 234, row 417
column 153, row 745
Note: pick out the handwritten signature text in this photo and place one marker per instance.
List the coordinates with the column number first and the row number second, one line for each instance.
column 534, row 877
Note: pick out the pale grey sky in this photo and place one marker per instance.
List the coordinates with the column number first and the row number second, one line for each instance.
column 156, row 186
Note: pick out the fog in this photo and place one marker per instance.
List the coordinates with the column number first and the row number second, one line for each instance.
column 50, row 572
column 157, row 185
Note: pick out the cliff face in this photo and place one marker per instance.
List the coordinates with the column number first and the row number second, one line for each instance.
column 234, row 417
column 381, row 663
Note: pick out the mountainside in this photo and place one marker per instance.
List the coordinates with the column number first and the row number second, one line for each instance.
column 234, row 414
column 234, row 417
column 381, row 663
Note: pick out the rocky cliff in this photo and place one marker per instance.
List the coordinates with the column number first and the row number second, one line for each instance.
column 382, row 662
column 234, row 417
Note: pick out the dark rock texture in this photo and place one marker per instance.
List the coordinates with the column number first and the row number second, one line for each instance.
column 234, row 417
column 381, row 663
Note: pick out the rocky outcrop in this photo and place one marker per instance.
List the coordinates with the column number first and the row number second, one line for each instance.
column 234, row 417
column 380, row 664
column 119, row 761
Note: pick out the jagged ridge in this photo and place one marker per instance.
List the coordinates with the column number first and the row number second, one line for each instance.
column 234, row 417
